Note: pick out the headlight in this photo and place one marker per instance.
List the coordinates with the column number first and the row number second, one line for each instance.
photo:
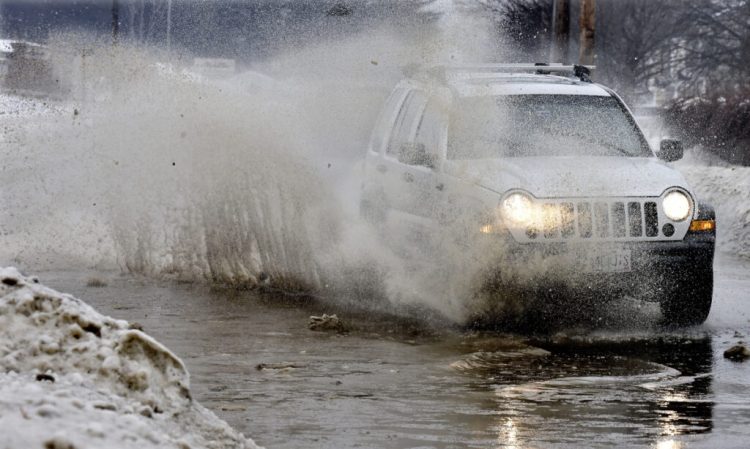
column 676, row 205
column 517, row 208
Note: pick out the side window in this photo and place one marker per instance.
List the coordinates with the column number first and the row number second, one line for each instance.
column 407, row 122
column 384, row 123
column 431, row 127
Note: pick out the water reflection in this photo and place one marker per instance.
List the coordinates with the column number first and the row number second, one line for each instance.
column 599, row 392
column 508, row 437
column 669, row 444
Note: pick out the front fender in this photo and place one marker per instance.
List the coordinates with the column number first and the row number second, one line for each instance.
column 705, row 212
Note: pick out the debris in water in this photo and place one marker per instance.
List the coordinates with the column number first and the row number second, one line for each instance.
column 10, row 281
column 96, row 282
column 264, row 279
column 233, row 408
column 58, row 442
column 284, row 366
column 326, row 323
column 45, row 378
column 738, row 353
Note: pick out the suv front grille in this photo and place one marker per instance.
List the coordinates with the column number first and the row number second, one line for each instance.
column 625, row 219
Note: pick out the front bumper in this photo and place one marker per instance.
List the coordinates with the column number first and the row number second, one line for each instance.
column 654, row 266
column 695, row 248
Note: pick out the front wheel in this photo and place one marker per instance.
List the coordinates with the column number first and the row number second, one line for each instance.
column 689, row 300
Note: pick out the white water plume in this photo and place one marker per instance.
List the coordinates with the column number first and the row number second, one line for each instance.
column 245, row 181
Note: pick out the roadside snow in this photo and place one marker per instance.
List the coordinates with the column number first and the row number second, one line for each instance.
column 24, row 107
column 727, row 189
column 73, row 378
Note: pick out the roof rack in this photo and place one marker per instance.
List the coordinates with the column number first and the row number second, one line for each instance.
column 581, row 72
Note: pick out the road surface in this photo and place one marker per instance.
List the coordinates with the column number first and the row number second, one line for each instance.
column 397, row 383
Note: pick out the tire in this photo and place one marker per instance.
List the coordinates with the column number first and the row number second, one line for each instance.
column 688, row 301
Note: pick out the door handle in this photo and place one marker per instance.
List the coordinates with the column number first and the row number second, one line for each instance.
column 408, row 177
column 381, row 168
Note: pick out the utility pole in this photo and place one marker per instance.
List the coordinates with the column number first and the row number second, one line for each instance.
column 587, row 54
column 115, row 20
column 560, row 30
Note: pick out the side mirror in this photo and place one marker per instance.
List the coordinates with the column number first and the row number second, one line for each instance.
column 671, row 150
column 415, row 153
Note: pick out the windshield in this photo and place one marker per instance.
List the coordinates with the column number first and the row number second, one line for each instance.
column 542, row 125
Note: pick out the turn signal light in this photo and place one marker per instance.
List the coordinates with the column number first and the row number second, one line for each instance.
column 702, row 225
column 489, row 229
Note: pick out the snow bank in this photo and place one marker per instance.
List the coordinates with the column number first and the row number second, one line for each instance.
column 25, row 107
column 73, row 378
column 727, row 189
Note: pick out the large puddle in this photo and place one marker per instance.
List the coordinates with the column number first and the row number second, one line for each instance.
column 399, row 383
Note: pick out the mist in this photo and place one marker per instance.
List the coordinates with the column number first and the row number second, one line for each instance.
column 247, row 179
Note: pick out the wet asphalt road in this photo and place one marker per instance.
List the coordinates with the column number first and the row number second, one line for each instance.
column 396, row 383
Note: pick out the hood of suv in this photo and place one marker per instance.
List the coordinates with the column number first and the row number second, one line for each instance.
column 564, row 177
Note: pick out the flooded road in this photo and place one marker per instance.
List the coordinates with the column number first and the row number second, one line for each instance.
column 397, row 383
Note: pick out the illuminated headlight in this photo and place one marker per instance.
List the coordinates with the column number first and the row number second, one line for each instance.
column 676, row 205
column 517, row 208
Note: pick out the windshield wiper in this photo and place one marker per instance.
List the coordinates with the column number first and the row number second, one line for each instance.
column 620, row 150
column 588, row 139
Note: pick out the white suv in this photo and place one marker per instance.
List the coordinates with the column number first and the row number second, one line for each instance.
column 552, row 163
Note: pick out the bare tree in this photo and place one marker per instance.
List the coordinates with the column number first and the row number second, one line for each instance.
column 637, row 42
column 525, row 24
column 714, row 52
column 146, row 20
column 635, row 38
column 710, row 60
column 695, row 50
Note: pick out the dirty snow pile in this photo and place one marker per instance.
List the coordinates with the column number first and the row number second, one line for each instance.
column 72, row 378
column 727, row 189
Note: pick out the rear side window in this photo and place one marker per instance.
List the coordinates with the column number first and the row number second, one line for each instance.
column 432, row 127
column 385, row 121
column 407, row 121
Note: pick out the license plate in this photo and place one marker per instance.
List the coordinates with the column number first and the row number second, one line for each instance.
column 614, row 261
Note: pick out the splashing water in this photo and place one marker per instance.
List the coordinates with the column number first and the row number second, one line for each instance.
column 243, row 181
